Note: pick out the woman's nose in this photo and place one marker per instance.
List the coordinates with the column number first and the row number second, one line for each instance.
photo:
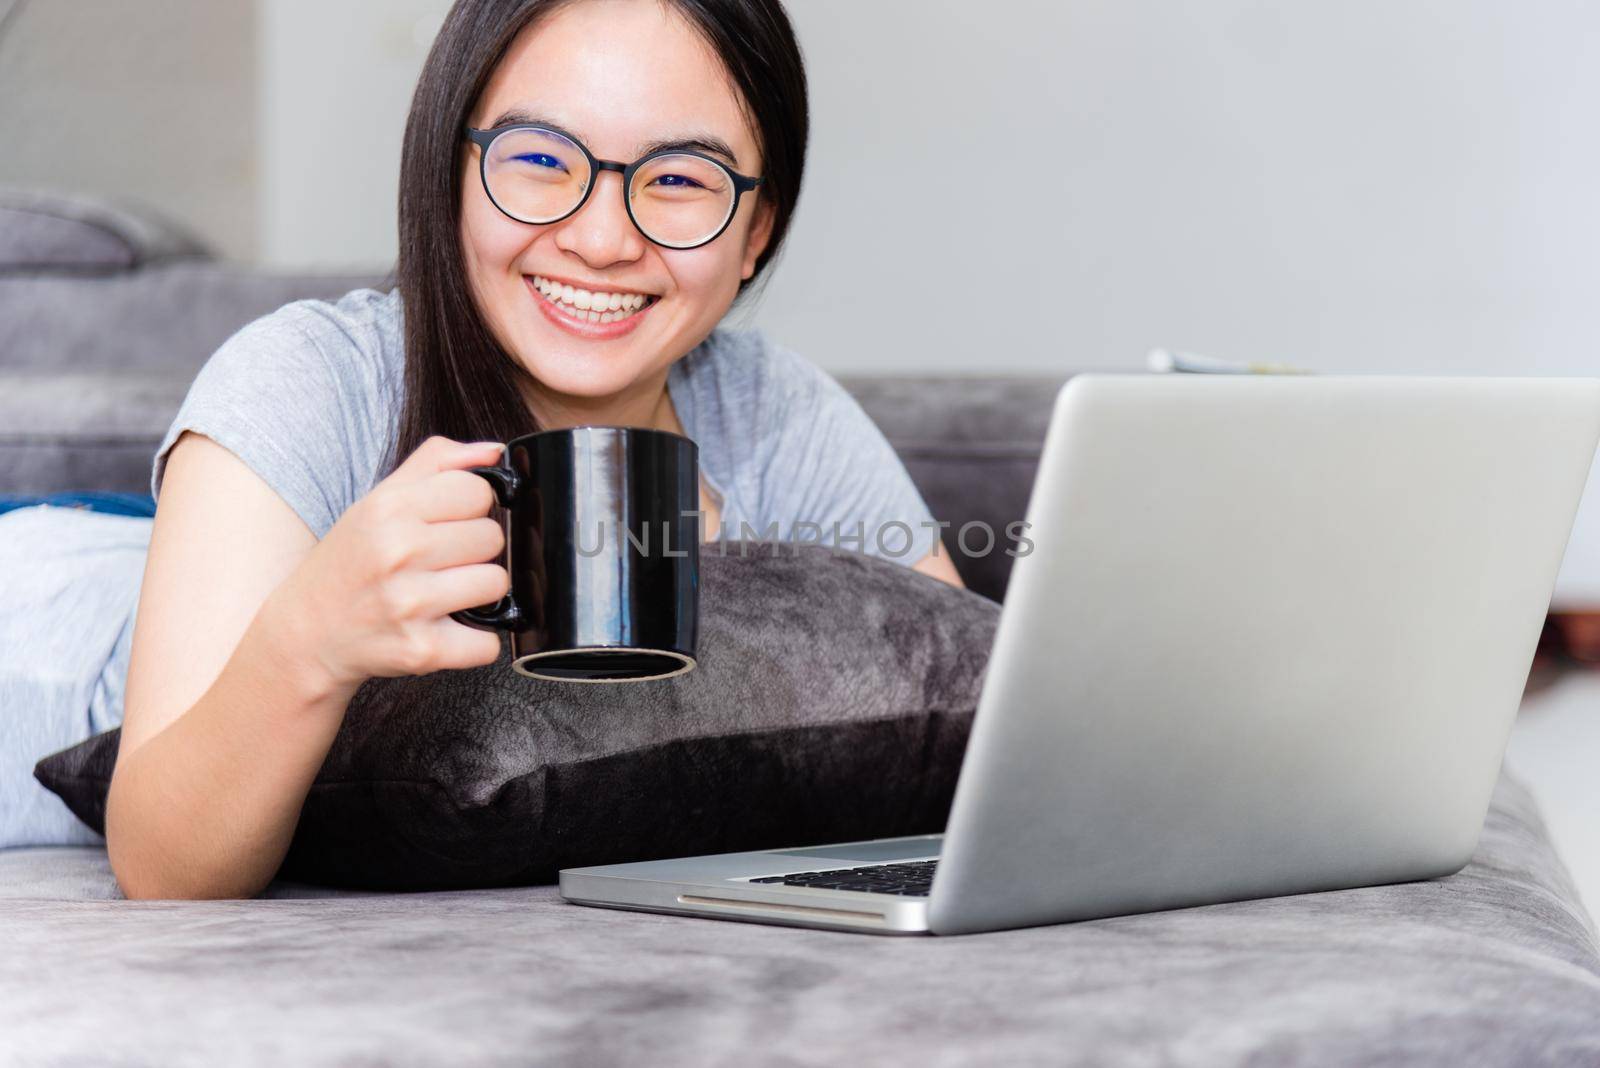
column 601, row 233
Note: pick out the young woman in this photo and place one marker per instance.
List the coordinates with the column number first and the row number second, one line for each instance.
column 586, row 187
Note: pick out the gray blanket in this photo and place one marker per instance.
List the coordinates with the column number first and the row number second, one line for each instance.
column 1495, row 966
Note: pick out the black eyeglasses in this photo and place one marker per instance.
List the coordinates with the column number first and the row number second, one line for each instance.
column 539, row 174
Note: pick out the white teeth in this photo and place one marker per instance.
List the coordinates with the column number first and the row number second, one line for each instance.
column 590, row 306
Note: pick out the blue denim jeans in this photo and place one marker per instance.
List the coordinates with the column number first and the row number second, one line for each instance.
column 90, row 500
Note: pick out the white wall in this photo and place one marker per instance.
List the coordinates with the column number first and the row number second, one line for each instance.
column 335, row 84
column 1369, row 185
column 148, row 103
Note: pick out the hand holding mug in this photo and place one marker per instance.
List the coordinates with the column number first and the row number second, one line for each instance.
column 603, row 552
column 374, row 596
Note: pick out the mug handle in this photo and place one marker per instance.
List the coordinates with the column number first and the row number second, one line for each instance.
column 504, row 614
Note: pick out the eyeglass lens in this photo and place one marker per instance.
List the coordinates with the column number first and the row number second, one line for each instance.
column 539, row 176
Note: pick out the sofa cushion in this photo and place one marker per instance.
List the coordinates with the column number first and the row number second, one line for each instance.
column 832, row 701
column 1495, row 966
column 42, row 231
column 167, row 317
column 971, row 445
column 83, row 431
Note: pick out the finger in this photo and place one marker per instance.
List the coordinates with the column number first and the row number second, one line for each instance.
column 463, row 541
column 449, row 495
column 461, row 646
column 442, row 454
column 467, row 586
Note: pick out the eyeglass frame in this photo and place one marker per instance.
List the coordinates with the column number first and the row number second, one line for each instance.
column 742, row 183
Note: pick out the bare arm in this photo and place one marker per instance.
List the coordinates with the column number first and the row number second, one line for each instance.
column 939, row 565
column 194, row 728
column 251, row 638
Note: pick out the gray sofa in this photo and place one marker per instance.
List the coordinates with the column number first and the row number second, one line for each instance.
column 103, row 320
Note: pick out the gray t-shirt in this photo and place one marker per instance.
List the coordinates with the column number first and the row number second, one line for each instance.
column 309, row 398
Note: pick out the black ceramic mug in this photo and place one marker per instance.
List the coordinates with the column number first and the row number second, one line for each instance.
column 602, row 543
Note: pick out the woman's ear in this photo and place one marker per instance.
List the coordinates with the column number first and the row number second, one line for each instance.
column 760, row 234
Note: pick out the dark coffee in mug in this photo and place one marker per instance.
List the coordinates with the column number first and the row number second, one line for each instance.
column 602, row 543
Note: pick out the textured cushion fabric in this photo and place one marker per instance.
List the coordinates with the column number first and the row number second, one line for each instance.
column 83, row 873
column 832, row 702
column 167, row 316
column 972, row 446
column 1495, row 966
column 84, row 430
column 42, row 231
column 92, row 369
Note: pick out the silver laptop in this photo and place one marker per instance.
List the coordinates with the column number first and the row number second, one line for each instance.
column 1270, row 639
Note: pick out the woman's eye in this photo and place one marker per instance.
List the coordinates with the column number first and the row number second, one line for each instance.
column 680, row 181
column 540, row 159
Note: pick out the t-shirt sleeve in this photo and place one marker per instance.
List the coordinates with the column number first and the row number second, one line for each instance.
column 290, row 395
column 827, row 463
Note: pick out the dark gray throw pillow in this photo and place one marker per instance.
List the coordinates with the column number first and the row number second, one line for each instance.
column 832, row 701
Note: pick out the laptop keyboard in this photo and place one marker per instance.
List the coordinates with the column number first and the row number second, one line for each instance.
column 911, row 879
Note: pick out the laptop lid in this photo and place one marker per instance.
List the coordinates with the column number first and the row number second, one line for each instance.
column 1270, row 638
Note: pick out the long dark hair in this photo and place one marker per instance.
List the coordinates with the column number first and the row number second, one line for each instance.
column 459, row 382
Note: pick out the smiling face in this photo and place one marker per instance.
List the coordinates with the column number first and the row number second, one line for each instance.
column 621, row 76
